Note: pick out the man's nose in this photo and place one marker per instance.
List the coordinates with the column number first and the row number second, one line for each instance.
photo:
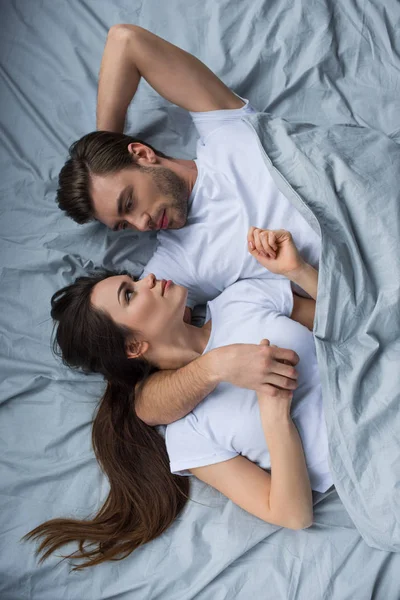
column 141, row 223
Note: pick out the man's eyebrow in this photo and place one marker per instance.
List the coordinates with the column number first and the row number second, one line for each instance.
column 121, row 287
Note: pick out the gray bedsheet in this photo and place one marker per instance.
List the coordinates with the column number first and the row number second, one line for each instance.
column 313, row 62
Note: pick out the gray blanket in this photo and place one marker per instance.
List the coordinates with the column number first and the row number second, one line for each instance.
column 344, row 180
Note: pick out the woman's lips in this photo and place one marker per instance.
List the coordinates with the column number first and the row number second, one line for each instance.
column 168, row 285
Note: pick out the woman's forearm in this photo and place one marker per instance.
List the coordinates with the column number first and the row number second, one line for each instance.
column 303, row 311
column 305, row 277
column 290, row 493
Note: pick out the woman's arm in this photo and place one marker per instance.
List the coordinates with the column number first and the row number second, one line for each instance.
column 167, row 396
column 132, row 52
column 303, row 311
column 283, row 497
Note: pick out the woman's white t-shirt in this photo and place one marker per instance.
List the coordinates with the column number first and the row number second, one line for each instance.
column 233, row 191
column 227, row 423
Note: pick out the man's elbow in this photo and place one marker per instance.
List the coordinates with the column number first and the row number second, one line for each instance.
column 121, row 32
column 150, row 419
column 143, row 416
column 301, row 523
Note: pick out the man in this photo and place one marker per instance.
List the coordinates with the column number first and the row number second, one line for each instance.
column 202, row 208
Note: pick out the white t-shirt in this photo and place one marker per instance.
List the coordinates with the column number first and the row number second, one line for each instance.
column 233, row 191
column 227, row 423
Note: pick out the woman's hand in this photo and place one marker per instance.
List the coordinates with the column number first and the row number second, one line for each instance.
column 275, row 250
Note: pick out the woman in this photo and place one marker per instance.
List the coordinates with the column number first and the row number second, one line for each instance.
column 125, row 329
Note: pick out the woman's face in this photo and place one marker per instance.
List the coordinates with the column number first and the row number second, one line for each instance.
column 153, row 308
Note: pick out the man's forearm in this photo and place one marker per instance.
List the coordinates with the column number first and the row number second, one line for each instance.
column 118, row 81
column 167, row 396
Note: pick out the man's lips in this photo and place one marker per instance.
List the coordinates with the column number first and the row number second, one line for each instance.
column 163, row 221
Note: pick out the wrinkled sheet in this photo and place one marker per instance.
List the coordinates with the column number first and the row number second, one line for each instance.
column 318, row 62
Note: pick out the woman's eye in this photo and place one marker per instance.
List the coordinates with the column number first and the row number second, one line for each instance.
column 128, row 205
column 128, row 295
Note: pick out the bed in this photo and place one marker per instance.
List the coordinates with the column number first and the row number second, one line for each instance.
column 325, row 78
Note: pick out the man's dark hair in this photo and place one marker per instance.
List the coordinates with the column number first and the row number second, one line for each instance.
column 99, row 152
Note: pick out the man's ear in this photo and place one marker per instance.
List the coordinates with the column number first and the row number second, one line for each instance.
column 136, row 349
column 141, row 152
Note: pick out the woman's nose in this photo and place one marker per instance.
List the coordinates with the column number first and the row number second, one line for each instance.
column 151, row 279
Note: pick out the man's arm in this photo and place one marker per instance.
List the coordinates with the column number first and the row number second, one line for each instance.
column 132, row 52
column 167, row 396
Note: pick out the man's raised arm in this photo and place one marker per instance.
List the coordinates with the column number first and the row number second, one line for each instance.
column 167, row 396
column 132, row 52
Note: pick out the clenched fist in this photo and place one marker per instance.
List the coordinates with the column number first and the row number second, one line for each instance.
column 275, row 250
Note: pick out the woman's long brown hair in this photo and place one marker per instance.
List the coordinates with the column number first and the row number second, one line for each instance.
column 144, row 497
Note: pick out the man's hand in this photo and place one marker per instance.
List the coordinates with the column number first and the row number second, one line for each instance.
column 275, row 250
column 262, row 368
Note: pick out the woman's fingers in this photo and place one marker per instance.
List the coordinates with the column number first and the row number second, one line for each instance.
column 272, row 240
column 250, row 239
column 261, row 243
column 266, row 241
column 266, row 237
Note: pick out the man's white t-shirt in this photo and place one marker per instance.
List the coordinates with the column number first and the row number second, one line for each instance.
column 233, row 191
column 227, row 423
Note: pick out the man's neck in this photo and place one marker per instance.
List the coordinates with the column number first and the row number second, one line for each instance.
column 186, row 169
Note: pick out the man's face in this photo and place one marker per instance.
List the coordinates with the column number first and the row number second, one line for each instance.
column 142, row 198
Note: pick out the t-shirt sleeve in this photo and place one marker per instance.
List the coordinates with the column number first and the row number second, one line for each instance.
column 275, row 294
column 207, row 122
column 189, row 448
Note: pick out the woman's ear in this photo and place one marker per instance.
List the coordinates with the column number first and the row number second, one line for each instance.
column 136, row 349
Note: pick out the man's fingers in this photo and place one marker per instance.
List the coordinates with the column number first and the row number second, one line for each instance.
column 264, row 342
column 281, row 382
column 282, row 354
column 286, row 370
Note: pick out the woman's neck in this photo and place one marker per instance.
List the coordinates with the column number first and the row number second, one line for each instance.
column 188, row 344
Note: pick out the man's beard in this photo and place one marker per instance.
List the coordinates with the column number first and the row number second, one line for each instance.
column 172, row 186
